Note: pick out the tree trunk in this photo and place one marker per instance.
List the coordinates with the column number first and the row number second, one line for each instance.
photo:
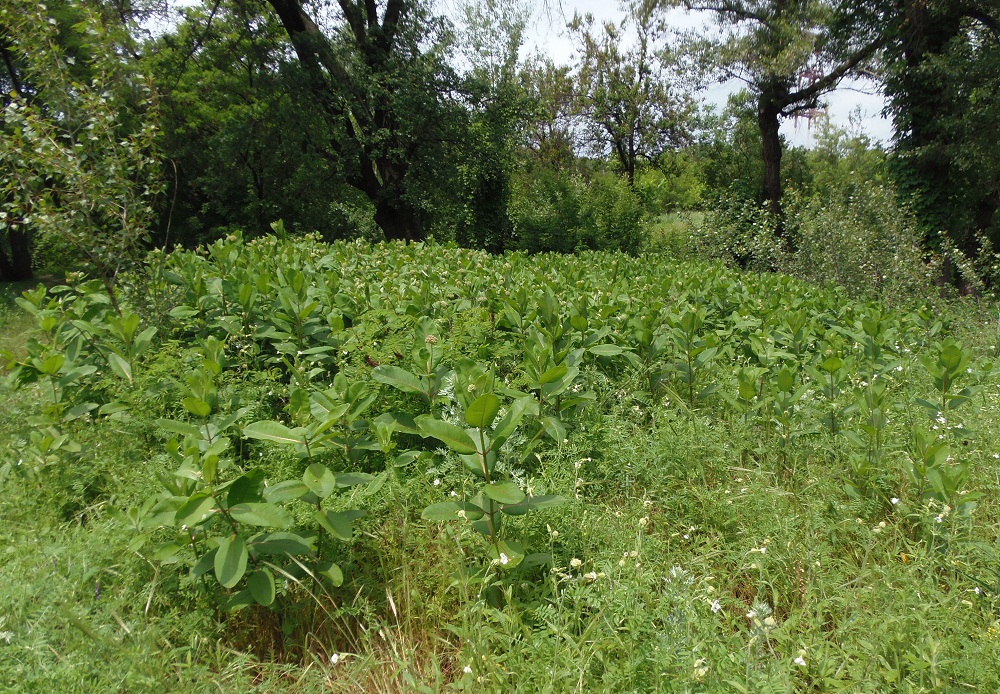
column 986, row 211
column 767, row 121
column 17, row 267
column 397, row 220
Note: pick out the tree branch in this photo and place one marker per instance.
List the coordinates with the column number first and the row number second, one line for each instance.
column 831, row 79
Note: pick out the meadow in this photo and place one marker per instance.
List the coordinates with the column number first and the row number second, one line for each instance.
column 293, row 466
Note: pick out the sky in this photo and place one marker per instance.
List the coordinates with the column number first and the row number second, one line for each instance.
column 546, row 34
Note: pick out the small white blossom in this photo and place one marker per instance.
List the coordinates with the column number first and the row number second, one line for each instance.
column 800, row 661
column 504, row 559
column 575, row 563
column 716, row 606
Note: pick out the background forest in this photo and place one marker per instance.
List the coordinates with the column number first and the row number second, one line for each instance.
column 405, row 120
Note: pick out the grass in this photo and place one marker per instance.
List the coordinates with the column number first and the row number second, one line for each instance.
column 691, row 555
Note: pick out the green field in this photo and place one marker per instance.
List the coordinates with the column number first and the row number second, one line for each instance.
column 291, row 466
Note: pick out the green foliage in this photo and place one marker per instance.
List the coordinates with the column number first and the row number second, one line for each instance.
column 860, row 238
column 557, row 211
column 237, row 139
column 369, row 467
column 942, row 93
column 630, row 111
column 675, row 186
column 78, row 155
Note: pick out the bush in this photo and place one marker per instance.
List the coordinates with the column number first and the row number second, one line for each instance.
column 678, row 188
column 557, row 211
column 864, row 242
column 739, row 232
column 860, row 239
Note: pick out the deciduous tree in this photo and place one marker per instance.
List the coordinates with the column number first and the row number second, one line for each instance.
column 768, row 44
column 629, row 106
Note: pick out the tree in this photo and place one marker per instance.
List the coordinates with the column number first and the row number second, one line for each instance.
column 490, row 41
column 627, row 105
column 769, row 44
column 380, row 79
column 943, row 88
column 551, row 125
column 241, row 149
column 77, row 157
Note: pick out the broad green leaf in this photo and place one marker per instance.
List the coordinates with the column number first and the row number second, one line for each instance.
column 508, row 425
column 285, row 491
column 261, row 586
column 449, row 510
column 554, row 428
column 507, row 554
column 241, row 600
column 205, row 564
column 282, row 543
column 167, row 554
column 553, row 374
column 483, row 411
column 339, row 523
column 350, row 479
column 52, row 364
column 113, row 408
column 449, row 434
column 605, row 350
column 504, row 493
column 785, row 381
column 261, row 514
column 231, row 561
column 951, row 356
column 209, row 466
column 533, row 503
column 175, row 427
column 267, row 430
column 246, row 488
column 120, row 366
column 78, row 411
column 331, row 572
column 401, row 379
column 196, row 509
column 319, row 480
column 831, row 364
column 403, row 423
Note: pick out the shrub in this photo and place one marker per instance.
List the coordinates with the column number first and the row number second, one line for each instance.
column 741, row 232
column 863, row 241
column 857, row 238
column 558, row 211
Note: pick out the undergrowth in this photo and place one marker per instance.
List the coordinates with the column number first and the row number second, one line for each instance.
column 696, row 480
